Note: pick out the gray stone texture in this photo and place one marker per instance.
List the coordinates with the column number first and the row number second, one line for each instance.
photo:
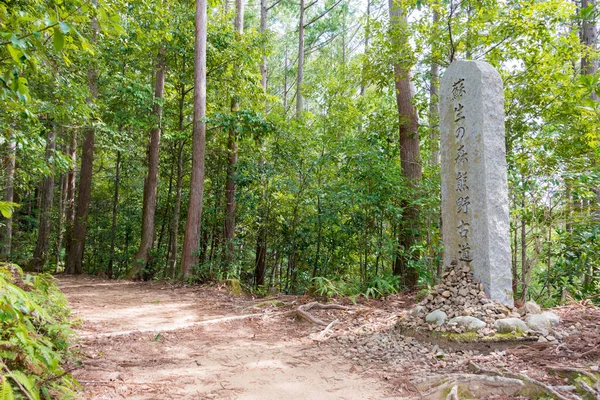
column 539, row 323
column 437, row 317
column 468, row 323
column 474, row 178
column 507, row 325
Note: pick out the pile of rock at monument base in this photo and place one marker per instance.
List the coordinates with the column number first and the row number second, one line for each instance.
column 459, row 304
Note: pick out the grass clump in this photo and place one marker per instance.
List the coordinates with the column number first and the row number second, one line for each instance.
column 35, row 333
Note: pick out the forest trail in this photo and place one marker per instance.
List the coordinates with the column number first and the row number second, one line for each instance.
column 152, row 340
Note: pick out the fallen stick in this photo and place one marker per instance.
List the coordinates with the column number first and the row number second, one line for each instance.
column 321, row 336
column 453, row 395
column 302, row 311
column 522, row 377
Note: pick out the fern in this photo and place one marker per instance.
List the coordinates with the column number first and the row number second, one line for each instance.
column 26, row 382
column 35, row 332
column 6, row 392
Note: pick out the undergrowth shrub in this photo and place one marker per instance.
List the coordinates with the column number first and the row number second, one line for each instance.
column 34, row 337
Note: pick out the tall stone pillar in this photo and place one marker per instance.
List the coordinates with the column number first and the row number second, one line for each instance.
column 474, row 178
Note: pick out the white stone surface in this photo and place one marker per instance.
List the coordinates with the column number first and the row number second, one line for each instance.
column 474, row 178
column 467, row 322
column 437, row 317
column 539, row 322
column 507, row 325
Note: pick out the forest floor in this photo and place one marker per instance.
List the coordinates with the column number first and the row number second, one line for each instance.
column 155, row 340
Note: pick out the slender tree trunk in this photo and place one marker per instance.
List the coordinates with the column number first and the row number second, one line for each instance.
column 142, row 256
column 41, row 252
column 524, row 266
column 367, row 37
column 299, row 99
column 410, row 159
column 285, row 79
column 70, row 198
column 232, row 158
column 434, row 83
column 76, row 247
column 589, row 66
column 261, row 237
column 174, row 245
column 115, row 211
column 189, row 256
column 515, row 273
column 263, row 28
column 9, row 194
column 62, row 184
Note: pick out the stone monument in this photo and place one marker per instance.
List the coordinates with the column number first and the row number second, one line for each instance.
column 475, row 221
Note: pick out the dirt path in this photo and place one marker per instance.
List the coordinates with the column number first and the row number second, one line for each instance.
column 156, row 341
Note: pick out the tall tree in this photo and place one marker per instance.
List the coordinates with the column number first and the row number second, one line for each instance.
column 410, row 158
column 9, row 193
column 41, row 252
column 301, row 50
column 70, row 195
column 74, row 262
column 189, row 255
column 232, row 157
column 589, row 63
column 142, row 256
column 115, row 209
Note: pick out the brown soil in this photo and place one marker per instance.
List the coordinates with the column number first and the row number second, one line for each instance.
column 160, row 341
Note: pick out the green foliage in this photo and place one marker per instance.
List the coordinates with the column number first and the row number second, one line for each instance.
column 34, row 336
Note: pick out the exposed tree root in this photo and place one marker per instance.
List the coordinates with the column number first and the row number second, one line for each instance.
column 478, row 386
column 321, row 336
column 453, row 395
column 579, row 371
column 548, row 389
column 303, row 311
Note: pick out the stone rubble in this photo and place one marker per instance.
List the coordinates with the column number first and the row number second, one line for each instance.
column 459, row 304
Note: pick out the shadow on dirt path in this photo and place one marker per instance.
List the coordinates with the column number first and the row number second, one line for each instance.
column 157, row 341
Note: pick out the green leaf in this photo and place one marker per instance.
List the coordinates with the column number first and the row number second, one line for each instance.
column 14, row 53
column 59, row 39
column 64, row 27
column 7, row 208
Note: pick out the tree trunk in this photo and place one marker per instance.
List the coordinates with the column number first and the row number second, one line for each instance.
column 232, row 158
column 176, row 212
column 74, row 262
column 409, row 152
column 115, row 210
column 434, row 83
column 9, row 194
column 70, row 197
column 367, row 37
column 299, row 102
column 589, row 66
column 142, row 256
column 524, row 267
column 285, row 80
column 192, row 231
column 41, row 254
column 173, row 244
column 62, row 184
column 263, row 28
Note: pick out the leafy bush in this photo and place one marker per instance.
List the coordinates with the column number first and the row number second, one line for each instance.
column 34, row 337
